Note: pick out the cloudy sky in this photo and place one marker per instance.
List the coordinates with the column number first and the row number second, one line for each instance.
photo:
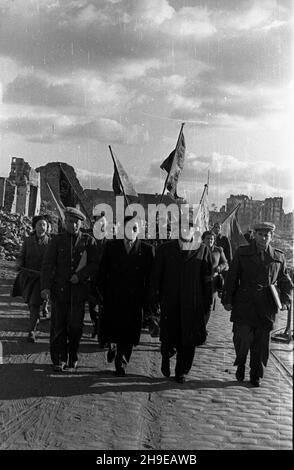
column 78, row 75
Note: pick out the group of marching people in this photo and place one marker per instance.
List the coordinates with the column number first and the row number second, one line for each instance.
column 123, row 280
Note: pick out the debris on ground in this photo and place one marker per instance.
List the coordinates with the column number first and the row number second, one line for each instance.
column 13, row 229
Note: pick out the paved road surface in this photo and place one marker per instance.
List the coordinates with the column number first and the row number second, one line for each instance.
column 93, row 409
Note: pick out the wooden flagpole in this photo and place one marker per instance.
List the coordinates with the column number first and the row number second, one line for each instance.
column 235, row 208
column 201, row 199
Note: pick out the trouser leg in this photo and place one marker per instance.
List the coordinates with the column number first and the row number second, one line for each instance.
column 34, row 316
column 207, row 314
column 166, row 353
column 242, row 339
column 75, row 330
column 123, row 354
column 93, row 315
column 58, row 333
column 259, row 352
column 167, row 350
column 98, row 323
column 184, row 360
column 45, row 308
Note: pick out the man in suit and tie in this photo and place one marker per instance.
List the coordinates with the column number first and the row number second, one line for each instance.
column 180, row 283
column 124, row 284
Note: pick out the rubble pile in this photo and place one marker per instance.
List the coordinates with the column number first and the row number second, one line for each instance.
column 13, row 229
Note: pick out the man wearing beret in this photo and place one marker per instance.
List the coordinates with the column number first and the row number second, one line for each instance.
column 68, row 263
column 124, row 283
column 255, row 269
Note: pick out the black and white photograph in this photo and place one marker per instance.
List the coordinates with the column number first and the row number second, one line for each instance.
column 146, row 228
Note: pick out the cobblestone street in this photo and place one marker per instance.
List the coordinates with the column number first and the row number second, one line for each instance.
column 92, row 409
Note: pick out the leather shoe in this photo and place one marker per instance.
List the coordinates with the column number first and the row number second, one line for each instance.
column 73, row 365
column 120, row 372
column 165, row 368
column 180, row 379
column 255, row 381
column 240, row 373
column 31, row 337
column 111, row 354
column 62, row 366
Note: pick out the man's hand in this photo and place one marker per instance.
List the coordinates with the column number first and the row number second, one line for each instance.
column 74, row 279
column 45, row 294
column 228, row 307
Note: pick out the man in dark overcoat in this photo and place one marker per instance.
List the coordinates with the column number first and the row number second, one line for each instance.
column 180, row 282
column 248, row 294
column 124, row 283
column 68, row 263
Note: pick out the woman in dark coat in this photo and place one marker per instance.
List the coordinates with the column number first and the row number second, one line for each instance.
column 219, row 267
column 27, row 283
column 180, row 282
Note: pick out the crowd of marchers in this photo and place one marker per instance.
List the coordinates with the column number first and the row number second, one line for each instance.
column 171, row 286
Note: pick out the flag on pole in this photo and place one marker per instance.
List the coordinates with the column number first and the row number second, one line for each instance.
column 202, row 217
column 173, row 165
column 121, row 181
column 59, row 206
column 232, row 230
column 204, row 211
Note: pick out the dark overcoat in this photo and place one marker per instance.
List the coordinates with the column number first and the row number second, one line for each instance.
column 247, row 285
column 124, row 284
column 95, row 296
column 181, row 282
column 61, row 261
column 27, row 282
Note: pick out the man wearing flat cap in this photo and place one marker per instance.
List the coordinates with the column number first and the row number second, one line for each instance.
column 68, row 263
column 255, row 273
column 124, row 283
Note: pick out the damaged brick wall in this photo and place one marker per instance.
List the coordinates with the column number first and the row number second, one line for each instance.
column 65, row 185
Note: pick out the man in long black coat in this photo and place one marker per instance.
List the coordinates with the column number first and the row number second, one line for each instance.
column 68, row 263
column 180, row 282
column 247, row 293
column 124, row 283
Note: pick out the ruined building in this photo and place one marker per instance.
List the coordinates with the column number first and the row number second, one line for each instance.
column 252, row 211
column 20, row 192
column 56, row 185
